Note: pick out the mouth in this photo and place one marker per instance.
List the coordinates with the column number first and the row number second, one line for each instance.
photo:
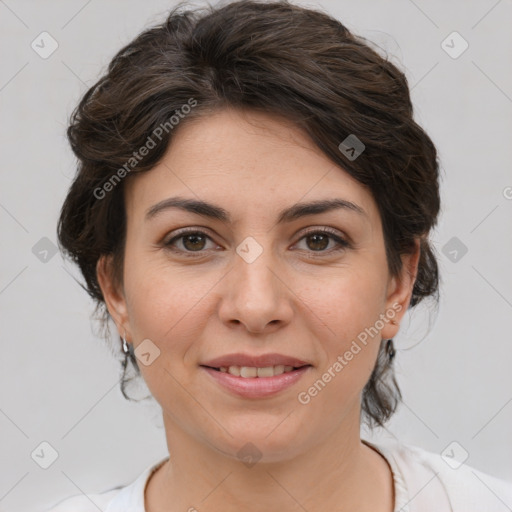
column 255, row 383
column 251, row 372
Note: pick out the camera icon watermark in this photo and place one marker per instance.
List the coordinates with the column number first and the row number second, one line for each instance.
column 146, row 352
column 249, row 454
column 454, row 45
column 249, row 250
column 454, row 455
column 44, row 45
column 454, row 249
column 44, row 455
column 351, row 147
column 44, row 250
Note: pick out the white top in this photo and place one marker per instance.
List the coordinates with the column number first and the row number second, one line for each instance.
column 423, row 482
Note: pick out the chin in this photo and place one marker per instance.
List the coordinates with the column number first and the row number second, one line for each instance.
column 265, row 441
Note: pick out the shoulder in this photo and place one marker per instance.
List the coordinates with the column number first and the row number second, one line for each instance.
column 469, row 488
column 129, row 498
column 464, row 488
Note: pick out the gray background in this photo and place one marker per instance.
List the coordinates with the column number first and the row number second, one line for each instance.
column 59, row 381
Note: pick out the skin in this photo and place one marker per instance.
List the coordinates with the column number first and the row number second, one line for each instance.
column 294, row 299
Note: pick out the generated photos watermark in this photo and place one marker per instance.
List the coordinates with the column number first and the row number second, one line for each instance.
column 144, row 150
column 343, row 360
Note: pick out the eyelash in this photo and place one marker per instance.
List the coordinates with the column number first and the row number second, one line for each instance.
column 342, row 243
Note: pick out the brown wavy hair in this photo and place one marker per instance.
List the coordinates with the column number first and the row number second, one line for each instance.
column 273, row 57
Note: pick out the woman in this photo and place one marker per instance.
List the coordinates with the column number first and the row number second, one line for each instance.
column 252, row 210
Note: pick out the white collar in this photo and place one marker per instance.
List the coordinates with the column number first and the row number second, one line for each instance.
column 131, row 497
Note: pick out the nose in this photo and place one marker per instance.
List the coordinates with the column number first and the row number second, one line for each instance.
column 256, row 295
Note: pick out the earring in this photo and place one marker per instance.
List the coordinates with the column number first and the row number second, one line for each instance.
column 390, row 349
column 126, row 350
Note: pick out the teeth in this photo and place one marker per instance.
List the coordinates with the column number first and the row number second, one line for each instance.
column 234, row 370
column 247, row 371
column 251, row 372
column 279, row 369
column 265, row 372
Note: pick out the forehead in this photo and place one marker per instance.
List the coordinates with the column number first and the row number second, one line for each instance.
column 249, row 161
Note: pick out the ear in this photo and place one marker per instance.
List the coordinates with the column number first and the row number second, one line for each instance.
column 399, row 291
column 114, row 298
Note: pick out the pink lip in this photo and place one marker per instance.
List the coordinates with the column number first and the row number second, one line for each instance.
column 261, row 361
column 256, row 387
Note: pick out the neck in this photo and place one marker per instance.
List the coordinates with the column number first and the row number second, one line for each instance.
column 340, row 473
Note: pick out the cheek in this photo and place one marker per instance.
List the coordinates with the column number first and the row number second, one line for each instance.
column 343, row 314
column 347, row 303
column 348, row 346
column 166, row 304
column 165, row 307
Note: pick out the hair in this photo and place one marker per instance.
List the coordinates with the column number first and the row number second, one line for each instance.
column 272, row 57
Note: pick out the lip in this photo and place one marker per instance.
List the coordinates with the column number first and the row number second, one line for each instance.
column 261, row 361
column 256, row 387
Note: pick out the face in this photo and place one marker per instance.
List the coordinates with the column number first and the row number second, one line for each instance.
column 199, row 287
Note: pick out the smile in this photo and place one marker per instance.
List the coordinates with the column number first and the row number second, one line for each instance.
column 256, row 383
column 251, row 371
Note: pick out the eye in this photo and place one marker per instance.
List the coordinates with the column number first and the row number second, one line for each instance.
column 191, row 241
column 318, row 240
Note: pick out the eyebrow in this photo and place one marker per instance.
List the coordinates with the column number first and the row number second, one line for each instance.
column 290, row 214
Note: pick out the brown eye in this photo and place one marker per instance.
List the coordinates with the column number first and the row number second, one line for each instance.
column 188, row 242
column 193, row 242
column 319, row 240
